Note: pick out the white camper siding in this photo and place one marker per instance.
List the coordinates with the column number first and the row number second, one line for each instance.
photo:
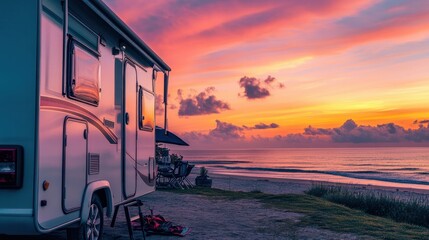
column 18, row 84
column 145, row 136
column 70, row 124
column 51, row 123
column 102, row 160
column 107, row 111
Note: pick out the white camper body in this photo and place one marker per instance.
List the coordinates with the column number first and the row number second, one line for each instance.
column 77, row 94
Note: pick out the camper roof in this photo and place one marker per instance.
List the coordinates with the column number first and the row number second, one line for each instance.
column 116, row 23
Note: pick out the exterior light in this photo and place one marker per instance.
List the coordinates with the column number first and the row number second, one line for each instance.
column 11, row 166
column 45, row 185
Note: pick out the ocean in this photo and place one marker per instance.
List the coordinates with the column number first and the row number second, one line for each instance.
column 393, row 167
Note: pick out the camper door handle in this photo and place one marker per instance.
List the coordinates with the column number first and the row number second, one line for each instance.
column 85, row 134
column 127, row 118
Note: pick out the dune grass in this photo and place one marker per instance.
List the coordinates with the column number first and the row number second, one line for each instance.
column 413, row 211
column 324, row 214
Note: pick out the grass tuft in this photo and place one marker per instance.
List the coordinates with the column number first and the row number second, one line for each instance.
column 412, row 211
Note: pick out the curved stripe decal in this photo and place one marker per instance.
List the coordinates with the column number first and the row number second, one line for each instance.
column 48, row 103
column 146, row 179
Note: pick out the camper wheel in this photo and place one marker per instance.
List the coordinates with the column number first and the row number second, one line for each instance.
column 93, row 228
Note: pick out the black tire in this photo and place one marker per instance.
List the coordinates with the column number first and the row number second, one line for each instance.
column 93, row 228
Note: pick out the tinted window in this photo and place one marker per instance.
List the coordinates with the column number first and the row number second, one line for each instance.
column 146, row 110
column 85, row 76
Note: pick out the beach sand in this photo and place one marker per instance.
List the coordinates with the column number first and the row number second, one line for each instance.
column 217, row 218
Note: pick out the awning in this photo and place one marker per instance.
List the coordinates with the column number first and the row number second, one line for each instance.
column 170, row 138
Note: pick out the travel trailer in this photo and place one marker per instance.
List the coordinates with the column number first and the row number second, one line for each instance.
column 77, row 131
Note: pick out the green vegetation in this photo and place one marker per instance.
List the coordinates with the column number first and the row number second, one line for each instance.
column 324, row 214
column 413, row 211
column 203, row 172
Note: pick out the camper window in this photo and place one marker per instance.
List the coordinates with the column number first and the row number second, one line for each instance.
column 85, row 75
column 146, row 110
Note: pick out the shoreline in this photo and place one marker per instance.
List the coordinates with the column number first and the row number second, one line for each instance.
column 298, row 186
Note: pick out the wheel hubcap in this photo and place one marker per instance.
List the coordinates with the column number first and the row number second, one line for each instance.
column 93, row 223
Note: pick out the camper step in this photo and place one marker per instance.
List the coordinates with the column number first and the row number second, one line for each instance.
column 135, row 203
column 132, row 219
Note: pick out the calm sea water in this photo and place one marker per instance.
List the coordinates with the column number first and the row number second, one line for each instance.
column 397, row 167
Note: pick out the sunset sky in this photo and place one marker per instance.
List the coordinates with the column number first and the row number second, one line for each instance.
column 291, row 73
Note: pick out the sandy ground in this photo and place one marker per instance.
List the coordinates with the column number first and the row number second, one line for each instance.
column 224, row 219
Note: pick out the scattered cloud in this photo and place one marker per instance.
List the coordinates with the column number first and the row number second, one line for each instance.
column 201, row 104
column 421, row 122
column 226, row 131
column 262, row 126
column 348, row 134
column 252, row 88
column 269, row 80
column 223, row 131
column 255, row 88
column 317, row 131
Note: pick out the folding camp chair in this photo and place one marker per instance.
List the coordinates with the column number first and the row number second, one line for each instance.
column 183, row 171
column 185, row 178
column 166, row 170
column 167, row 177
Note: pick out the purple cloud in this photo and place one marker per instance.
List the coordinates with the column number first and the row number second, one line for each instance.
column 348, row 134
column 203, row 103
column 269, row 80
column 421, row 122
column 226, row 131
column 254, row 89
column 351, row 133
column 370, row 134
column 418, row 135
column 317, row 131
column 223, row 131
column 262, row 126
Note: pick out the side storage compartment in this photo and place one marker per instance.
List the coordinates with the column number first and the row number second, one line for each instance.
column 75, row 148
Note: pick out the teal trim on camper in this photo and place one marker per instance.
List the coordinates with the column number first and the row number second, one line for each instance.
column 54, row 9
column 79, row 31
column 18, row 94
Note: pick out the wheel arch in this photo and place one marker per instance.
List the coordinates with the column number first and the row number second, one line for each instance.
column 102, row 190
